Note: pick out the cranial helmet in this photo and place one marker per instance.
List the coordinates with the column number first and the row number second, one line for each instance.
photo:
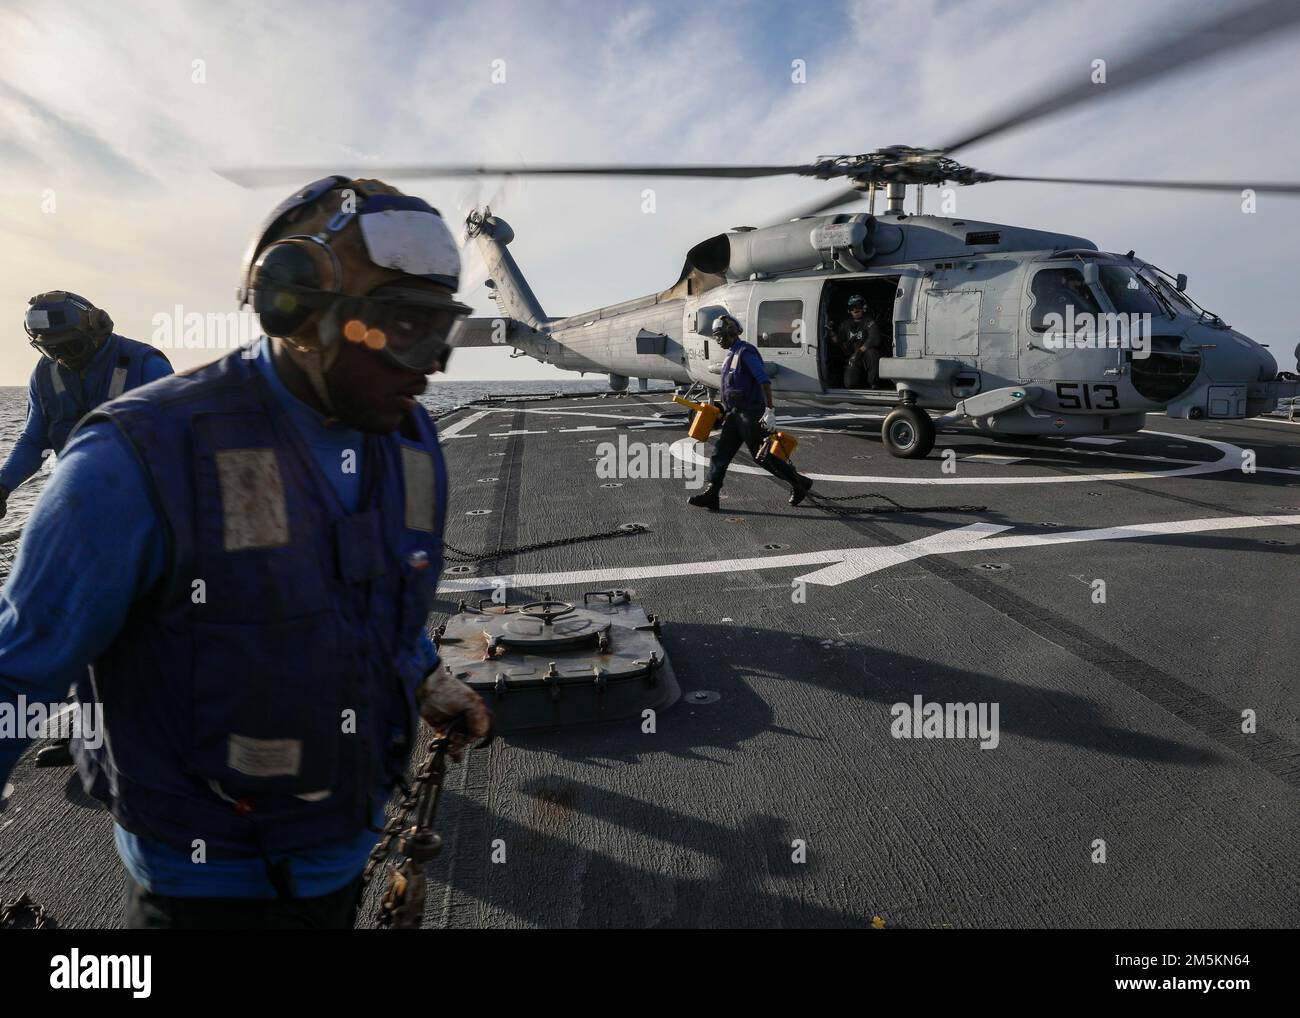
column 340, row 260
column 65, row 326
column 857, row 301
column 725, row 325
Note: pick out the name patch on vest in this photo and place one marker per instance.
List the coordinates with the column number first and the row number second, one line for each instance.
column 264, row 758
column 253, row 510
column 417, row 470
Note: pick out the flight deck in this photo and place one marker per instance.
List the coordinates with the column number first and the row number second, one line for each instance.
column 1121, row 611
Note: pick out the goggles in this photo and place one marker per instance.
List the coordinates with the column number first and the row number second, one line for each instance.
column 412, row 328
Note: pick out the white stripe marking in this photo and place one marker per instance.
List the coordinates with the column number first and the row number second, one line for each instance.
column 455, row 429
column 853, row 563
column 686, row 449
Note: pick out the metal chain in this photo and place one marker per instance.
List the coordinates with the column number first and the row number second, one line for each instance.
column 401, row 906
column 460, row 555
column 23, row 904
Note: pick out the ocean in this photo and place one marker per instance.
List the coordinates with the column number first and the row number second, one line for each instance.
column 440, row 397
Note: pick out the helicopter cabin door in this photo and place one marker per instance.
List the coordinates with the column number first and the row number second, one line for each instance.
column 952, row 318
column 782, row 323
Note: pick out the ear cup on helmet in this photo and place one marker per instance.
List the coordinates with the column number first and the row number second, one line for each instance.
column 100, row 322
column 295, row 262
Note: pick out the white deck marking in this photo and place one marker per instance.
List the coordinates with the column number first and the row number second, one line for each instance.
column 844, row 564
column 683, row 450
column 976, row 537
column 521, row 431
column 452, row 430
column 581, row 413
column 687, row 449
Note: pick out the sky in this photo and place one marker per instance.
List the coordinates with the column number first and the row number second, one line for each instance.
column 114, row 116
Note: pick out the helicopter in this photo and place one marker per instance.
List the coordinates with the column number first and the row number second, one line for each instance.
column 1018, row 333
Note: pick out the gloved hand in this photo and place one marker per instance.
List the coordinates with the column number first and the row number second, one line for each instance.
column 769, row 419
column 442, row 699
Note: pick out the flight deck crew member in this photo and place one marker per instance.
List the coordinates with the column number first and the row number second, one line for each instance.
column 256, row 625
column 860, row 340
column 83, row 364
column 747, row 399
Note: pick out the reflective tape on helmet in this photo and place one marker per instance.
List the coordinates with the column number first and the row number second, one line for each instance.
column 412, row 241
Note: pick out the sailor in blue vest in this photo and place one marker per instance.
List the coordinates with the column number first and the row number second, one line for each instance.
column 256, row 627
column 83, row 365
column 746, row 394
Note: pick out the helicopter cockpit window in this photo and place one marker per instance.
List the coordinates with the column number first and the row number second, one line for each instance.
column 1055, row 291
column 779, row 324
column 1178, row 300
column 1129, row 294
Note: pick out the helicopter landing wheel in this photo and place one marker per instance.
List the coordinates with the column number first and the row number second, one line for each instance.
column 908, row 433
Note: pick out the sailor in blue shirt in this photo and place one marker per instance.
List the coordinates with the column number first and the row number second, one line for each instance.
column 746, row 394
column 83, row 365
column 257, row 626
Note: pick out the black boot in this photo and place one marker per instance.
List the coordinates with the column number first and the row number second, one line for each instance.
column 799, row 489
column 57, row 754
column 707, row 499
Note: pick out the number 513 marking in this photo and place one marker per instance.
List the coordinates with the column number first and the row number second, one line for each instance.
column 1085, row 396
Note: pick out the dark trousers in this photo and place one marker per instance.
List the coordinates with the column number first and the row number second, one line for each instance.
column 863, row 372
column 744, row 427
column 334, row 911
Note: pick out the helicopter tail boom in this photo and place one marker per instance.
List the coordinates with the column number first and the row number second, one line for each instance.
column 513, row 296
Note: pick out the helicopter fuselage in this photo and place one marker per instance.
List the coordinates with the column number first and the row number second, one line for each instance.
column 1080, row 341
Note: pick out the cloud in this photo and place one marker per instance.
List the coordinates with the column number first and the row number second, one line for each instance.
column 126, row 133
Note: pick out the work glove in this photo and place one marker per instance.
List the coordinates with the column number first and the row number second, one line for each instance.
column 769, row 419
column 444, row 700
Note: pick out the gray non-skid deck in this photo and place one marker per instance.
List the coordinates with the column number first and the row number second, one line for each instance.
column 1119, row 722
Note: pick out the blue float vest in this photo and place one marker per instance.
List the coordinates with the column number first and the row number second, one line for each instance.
column 740, row 389
column 261, row 698
column 66, row 398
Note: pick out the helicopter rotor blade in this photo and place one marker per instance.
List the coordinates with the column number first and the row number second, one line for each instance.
column 265, row 177
column 1169, row 185
column 1233, row 29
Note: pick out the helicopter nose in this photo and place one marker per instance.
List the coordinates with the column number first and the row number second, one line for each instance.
column 1230, row 357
